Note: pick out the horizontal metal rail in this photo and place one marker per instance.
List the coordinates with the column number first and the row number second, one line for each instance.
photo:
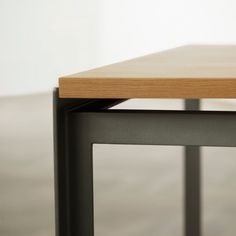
column 198, row 128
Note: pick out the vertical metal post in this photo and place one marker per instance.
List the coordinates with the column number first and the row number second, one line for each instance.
column 73, row 166
column 192, row 183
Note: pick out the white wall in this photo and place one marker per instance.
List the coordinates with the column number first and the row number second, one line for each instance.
column 44, row 39
column 135, row 27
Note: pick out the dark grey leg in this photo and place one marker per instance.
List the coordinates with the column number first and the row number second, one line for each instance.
column 80, row 175
column 73, row 167
column 192, row 183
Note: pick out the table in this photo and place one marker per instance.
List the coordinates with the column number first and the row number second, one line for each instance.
column 82, row 118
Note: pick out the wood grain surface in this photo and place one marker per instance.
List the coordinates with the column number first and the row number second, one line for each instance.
column 197, row 71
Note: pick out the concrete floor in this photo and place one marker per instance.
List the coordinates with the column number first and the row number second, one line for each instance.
column 138, row 189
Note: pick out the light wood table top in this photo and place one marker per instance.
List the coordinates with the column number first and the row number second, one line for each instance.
column 198, row 71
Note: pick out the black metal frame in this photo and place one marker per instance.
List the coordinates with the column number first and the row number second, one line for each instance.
column 192, row 183
column 80, row 123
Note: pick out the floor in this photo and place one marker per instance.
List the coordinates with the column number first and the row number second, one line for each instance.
column 138, row 189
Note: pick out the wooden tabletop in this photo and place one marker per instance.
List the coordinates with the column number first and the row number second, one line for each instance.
column 198, row 71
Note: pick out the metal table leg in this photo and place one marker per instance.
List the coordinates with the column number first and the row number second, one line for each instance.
column 73, row 176
column 192, row 183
